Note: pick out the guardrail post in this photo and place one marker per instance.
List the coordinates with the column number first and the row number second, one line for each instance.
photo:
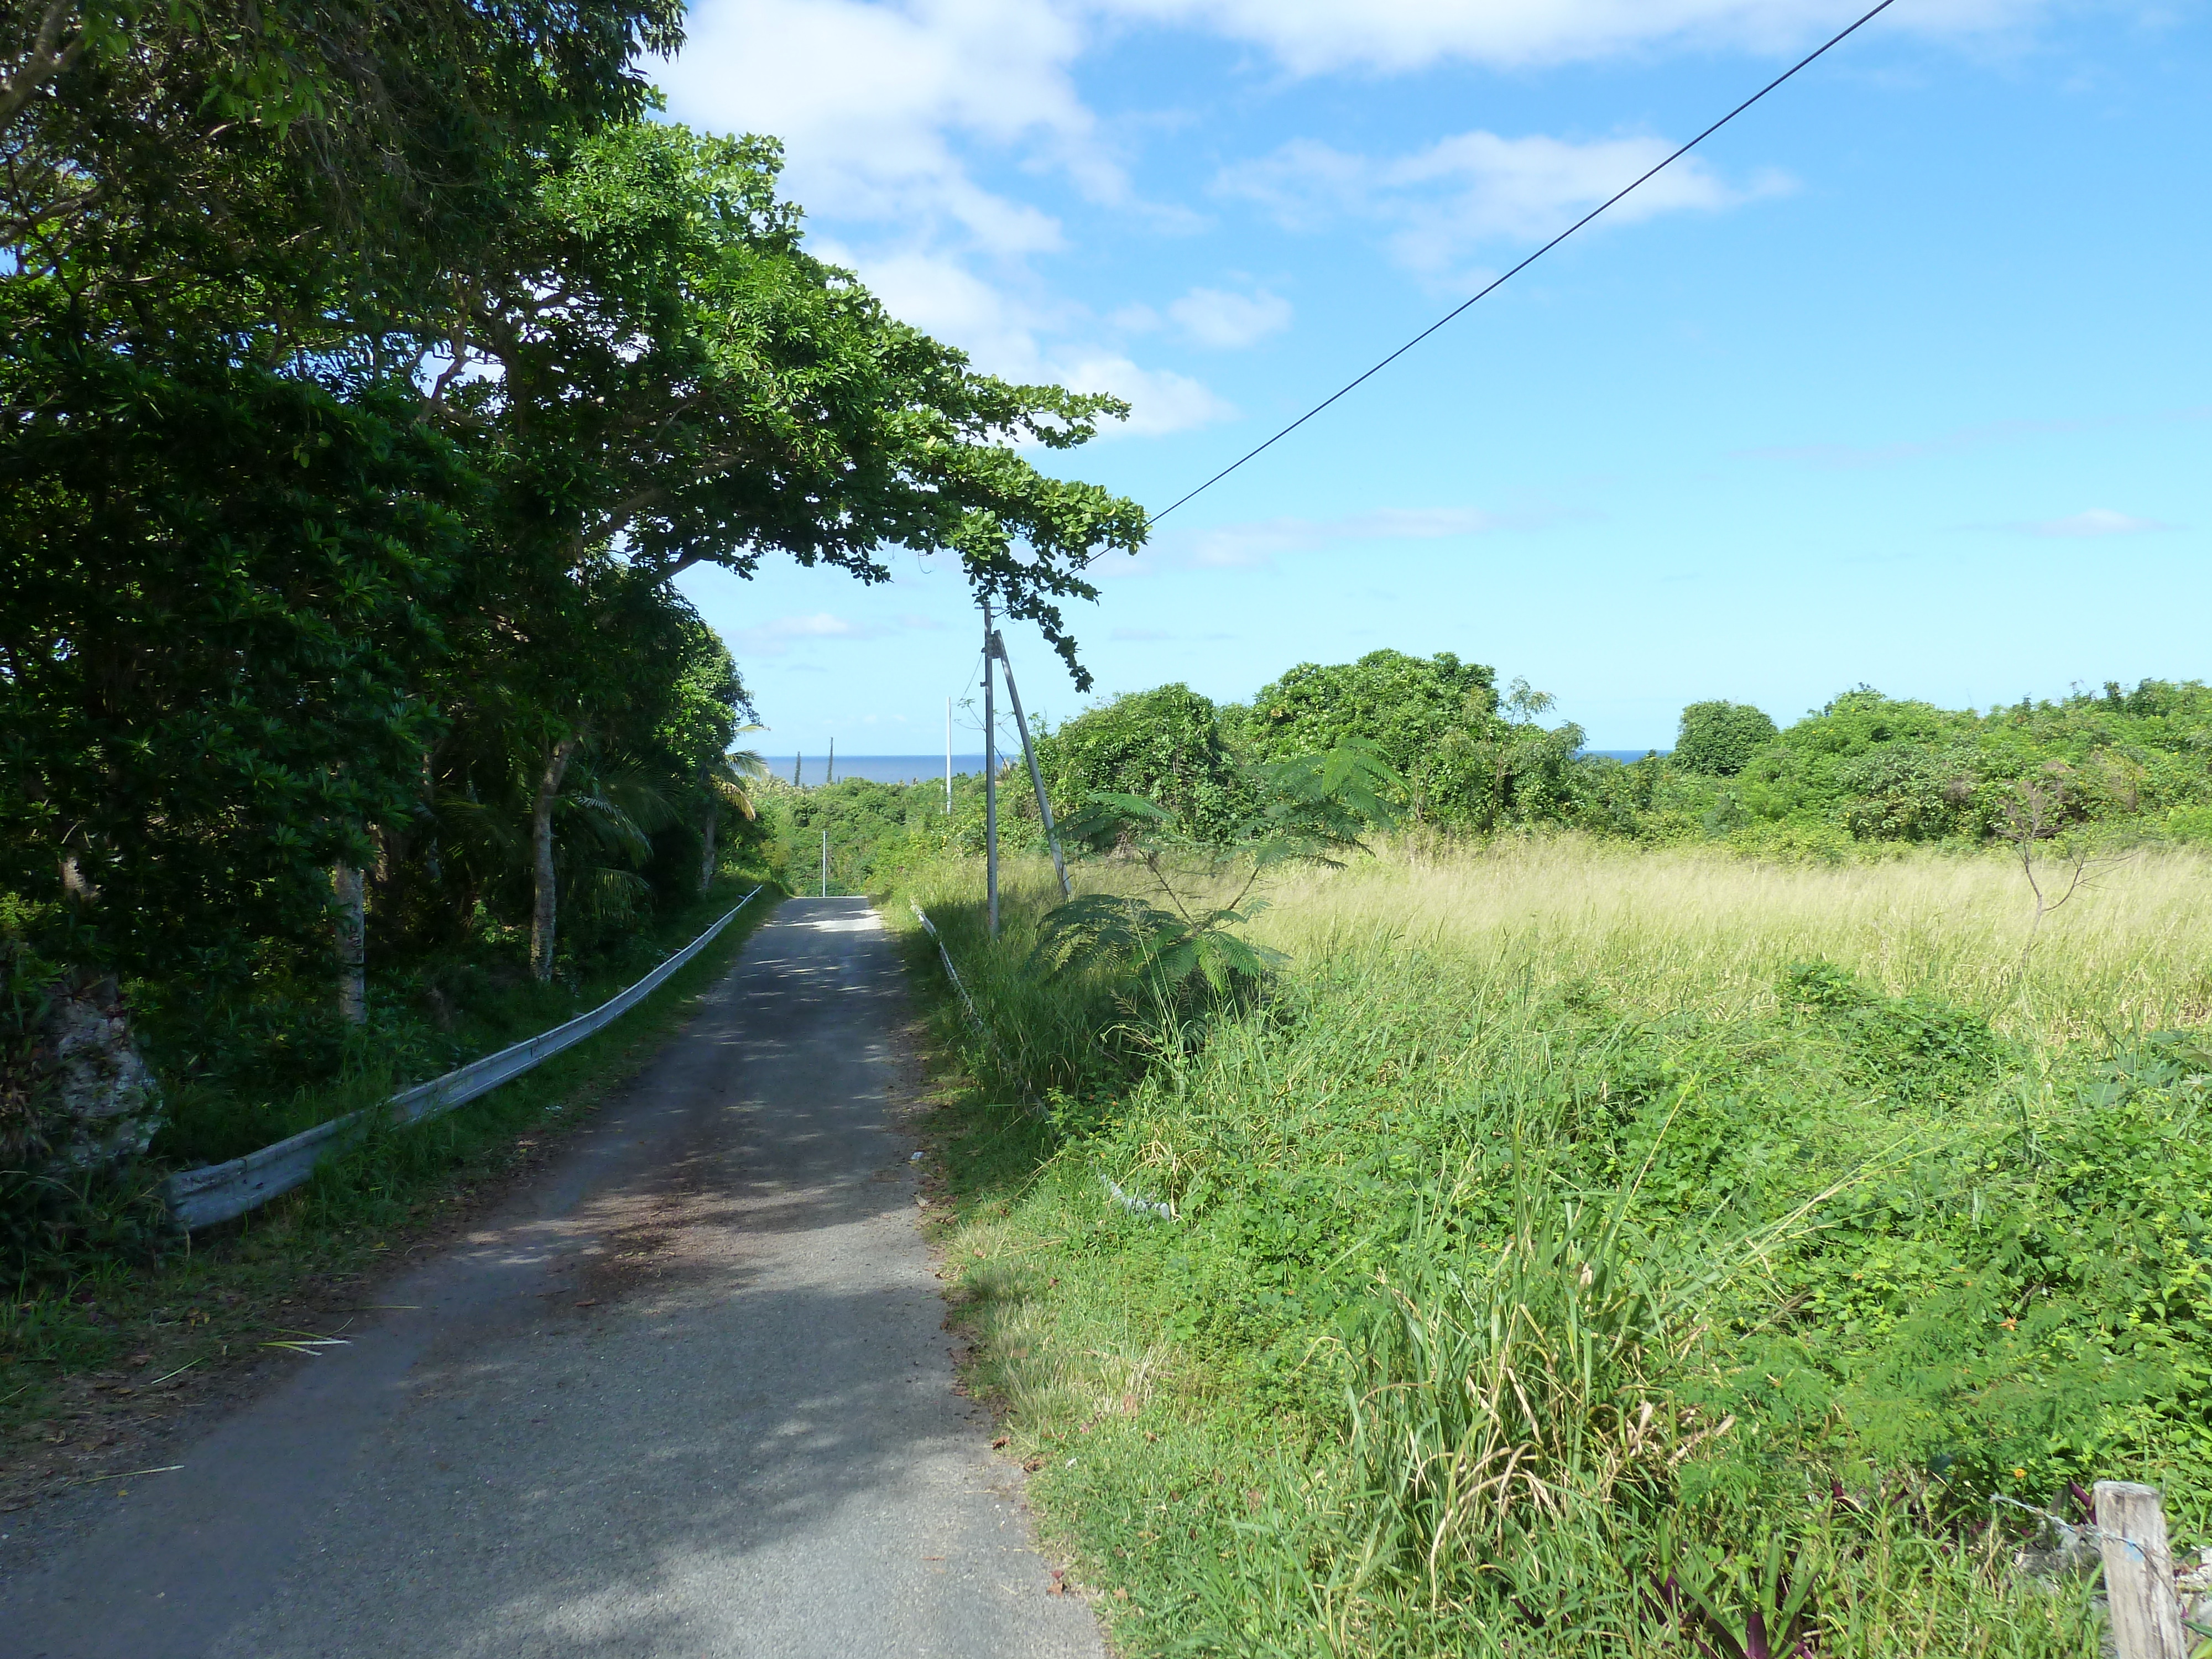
column 2146, row 1612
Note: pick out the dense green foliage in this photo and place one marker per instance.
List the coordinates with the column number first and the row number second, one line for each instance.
column 1508, row 1292
column 1461, row 759
column 1166, row 744
column 1870, row 769
column 1863, row 771
column 209, row 661
column 1467, row 761
column 1719, row 739
column 371, row 371
column 876, row 831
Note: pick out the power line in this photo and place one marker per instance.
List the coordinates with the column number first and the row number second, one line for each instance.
column 1499, row 281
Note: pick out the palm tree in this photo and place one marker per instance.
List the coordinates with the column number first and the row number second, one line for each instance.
column 725, row 783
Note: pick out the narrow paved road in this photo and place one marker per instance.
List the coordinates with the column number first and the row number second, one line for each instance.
column 688, row 1395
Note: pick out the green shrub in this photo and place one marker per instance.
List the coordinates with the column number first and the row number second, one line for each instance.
column 1719, row 739
column 1166, row 745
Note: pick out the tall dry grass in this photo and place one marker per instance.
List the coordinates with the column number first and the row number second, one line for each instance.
column 2132, row 950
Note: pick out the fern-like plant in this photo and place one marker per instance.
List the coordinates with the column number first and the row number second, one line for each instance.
column 1311, row 809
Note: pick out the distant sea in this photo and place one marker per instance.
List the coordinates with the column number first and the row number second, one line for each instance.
column 914, row 768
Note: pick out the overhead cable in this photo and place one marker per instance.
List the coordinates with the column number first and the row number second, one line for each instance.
column 1499, row 281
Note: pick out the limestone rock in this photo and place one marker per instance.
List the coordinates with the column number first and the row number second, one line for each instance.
column 91, row 1096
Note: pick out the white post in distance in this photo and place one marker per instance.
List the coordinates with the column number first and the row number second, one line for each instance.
column 948, row 757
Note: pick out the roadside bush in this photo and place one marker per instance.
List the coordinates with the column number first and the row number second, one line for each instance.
column 1719, row 739
column 1164, row 744
column 54, row 1222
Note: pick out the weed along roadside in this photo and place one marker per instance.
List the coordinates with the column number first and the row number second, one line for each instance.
column 103, row 1353
column 1573, row 1249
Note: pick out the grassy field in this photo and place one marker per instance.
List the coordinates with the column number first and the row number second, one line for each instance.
column 1586, row 1251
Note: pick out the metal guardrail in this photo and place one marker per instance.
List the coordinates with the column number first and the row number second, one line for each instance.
column 967, row 1001
column 975, row 1014
column 220, row 1192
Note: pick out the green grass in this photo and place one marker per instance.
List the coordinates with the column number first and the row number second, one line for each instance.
column 211, row 1304
column 1568, row 1224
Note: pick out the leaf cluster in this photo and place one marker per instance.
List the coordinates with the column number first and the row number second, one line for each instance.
column 1303, row 809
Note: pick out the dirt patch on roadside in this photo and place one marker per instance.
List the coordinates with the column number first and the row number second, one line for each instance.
column 653, row 1242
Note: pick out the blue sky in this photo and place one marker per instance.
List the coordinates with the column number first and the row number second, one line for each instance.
column 1904, row 382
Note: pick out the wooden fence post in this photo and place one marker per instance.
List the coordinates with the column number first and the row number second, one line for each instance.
column 2146, row 1612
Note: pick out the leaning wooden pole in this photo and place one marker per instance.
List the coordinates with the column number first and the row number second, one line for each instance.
column 990, row 779
column 1029, row 754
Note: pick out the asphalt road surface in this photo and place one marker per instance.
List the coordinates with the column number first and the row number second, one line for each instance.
column 687, row 1394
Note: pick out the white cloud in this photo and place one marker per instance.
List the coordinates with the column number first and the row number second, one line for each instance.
column 2096, row 521
column 1311, row 37
column 867, row 99
column 1246, row 546
column 888, row 108
column 820, row 626
column 1008, row 329
column 776, row 638
column 1478, row 187
column 1160, row 400
column 938, row 293
column 1227, row 321
column 875, row 99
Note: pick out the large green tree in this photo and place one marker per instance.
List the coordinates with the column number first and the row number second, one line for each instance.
column 287, row 182
column 1719, row 739
column 221, row 587
column 1465, row 762
column 657, row 372
column 480, row 361
column 674, row 375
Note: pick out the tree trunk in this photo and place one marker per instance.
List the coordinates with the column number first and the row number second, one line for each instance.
column 707, row 854
column 541, row 845
column 353, row 943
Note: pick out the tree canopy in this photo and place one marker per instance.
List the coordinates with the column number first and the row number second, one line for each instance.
column 372, row 372
column 1166, row 744
column 1720, row 738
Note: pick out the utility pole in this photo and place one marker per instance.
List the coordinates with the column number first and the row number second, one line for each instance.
column 990, row 778
column 948, row 757
column 825, row 864
column 1029, row 754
